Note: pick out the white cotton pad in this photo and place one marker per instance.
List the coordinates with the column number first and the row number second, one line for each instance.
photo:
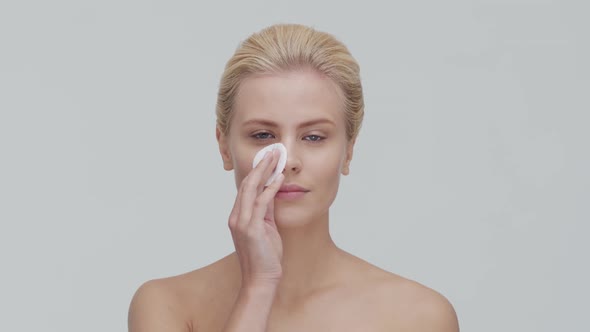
column 282, row 160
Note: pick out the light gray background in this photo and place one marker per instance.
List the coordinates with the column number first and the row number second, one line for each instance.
column 470, row 174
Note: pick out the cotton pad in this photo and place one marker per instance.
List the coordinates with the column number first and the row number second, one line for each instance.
column 282, row 160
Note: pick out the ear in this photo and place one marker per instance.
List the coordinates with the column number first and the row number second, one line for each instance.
column 224, row 149
column 349, row 151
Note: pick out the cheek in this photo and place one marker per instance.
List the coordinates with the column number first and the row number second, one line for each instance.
column 326, row 178
column 242, row 165
column 327, row 168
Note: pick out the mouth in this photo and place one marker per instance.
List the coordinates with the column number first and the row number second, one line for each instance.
column 291, row 191
column 292, row 188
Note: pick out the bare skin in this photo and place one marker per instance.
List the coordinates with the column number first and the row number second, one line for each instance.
column 287, row 274
column 362, row 298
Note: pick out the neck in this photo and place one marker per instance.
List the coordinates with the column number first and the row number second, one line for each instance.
column 309, row 257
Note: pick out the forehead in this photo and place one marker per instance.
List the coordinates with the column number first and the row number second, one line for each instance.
column 288, row 98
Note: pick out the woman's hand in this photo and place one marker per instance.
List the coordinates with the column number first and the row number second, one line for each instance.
column 254, row 232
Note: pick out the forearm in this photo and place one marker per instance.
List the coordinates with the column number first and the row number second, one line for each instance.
column 251, row 309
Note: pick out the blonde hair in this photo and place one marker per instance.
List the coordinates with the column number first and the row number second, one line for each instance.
column 285, row 47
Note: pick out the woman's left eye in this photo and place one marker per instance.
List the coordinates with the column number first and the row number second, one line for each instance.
column 314, row 138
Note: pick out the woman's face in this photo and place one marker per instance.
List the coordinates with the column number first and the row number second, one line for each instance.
column 303, row 111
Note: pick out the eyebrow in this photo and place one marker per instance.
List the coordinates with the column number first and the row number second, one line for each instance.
column 269, row 123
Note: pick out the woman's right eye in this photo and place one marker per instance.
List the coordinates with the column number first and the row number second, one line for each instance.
column 262, row 135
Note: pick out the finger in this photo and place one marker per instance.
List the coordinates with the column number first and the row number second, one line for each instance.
column 264, row 172
column 269, row 216
column 264, row 169
column 264, row 206
column 251, row 187
column 235, row 212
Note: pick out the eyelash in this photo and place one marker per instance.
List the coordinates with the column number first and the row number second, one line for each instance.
column 256, row 137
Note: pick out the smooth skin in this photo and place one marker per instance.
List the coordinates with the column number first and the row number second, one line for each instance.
column 286, row 273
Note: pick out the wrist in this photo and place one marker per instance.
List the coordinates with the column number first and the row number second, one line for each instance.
column 261, row 287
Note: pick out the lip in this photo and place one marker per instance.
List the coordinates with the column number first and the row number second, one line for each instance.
column 291, row 191
column 289, row 188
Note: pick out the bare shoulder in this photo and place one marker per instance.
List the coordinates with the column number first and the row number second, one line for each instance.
column 177, row 303
column 417, row 307
column 405, row 304
column 156, row 306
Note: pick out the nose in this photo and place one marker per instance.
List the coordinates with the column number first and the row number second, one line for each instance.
column 293, row 164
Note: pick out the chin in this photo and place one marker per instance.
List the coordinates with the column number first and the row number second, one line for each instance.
column 290, row 219
column 294, row 216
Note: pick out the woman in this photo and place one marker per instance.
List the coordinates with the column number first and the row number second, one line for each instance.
column 293, row 85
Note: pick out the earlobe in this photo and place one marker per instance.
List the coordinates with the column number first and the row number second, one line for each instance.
column 346, row 167
column 224, row 150
column 345, row 170
column 349, row 151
